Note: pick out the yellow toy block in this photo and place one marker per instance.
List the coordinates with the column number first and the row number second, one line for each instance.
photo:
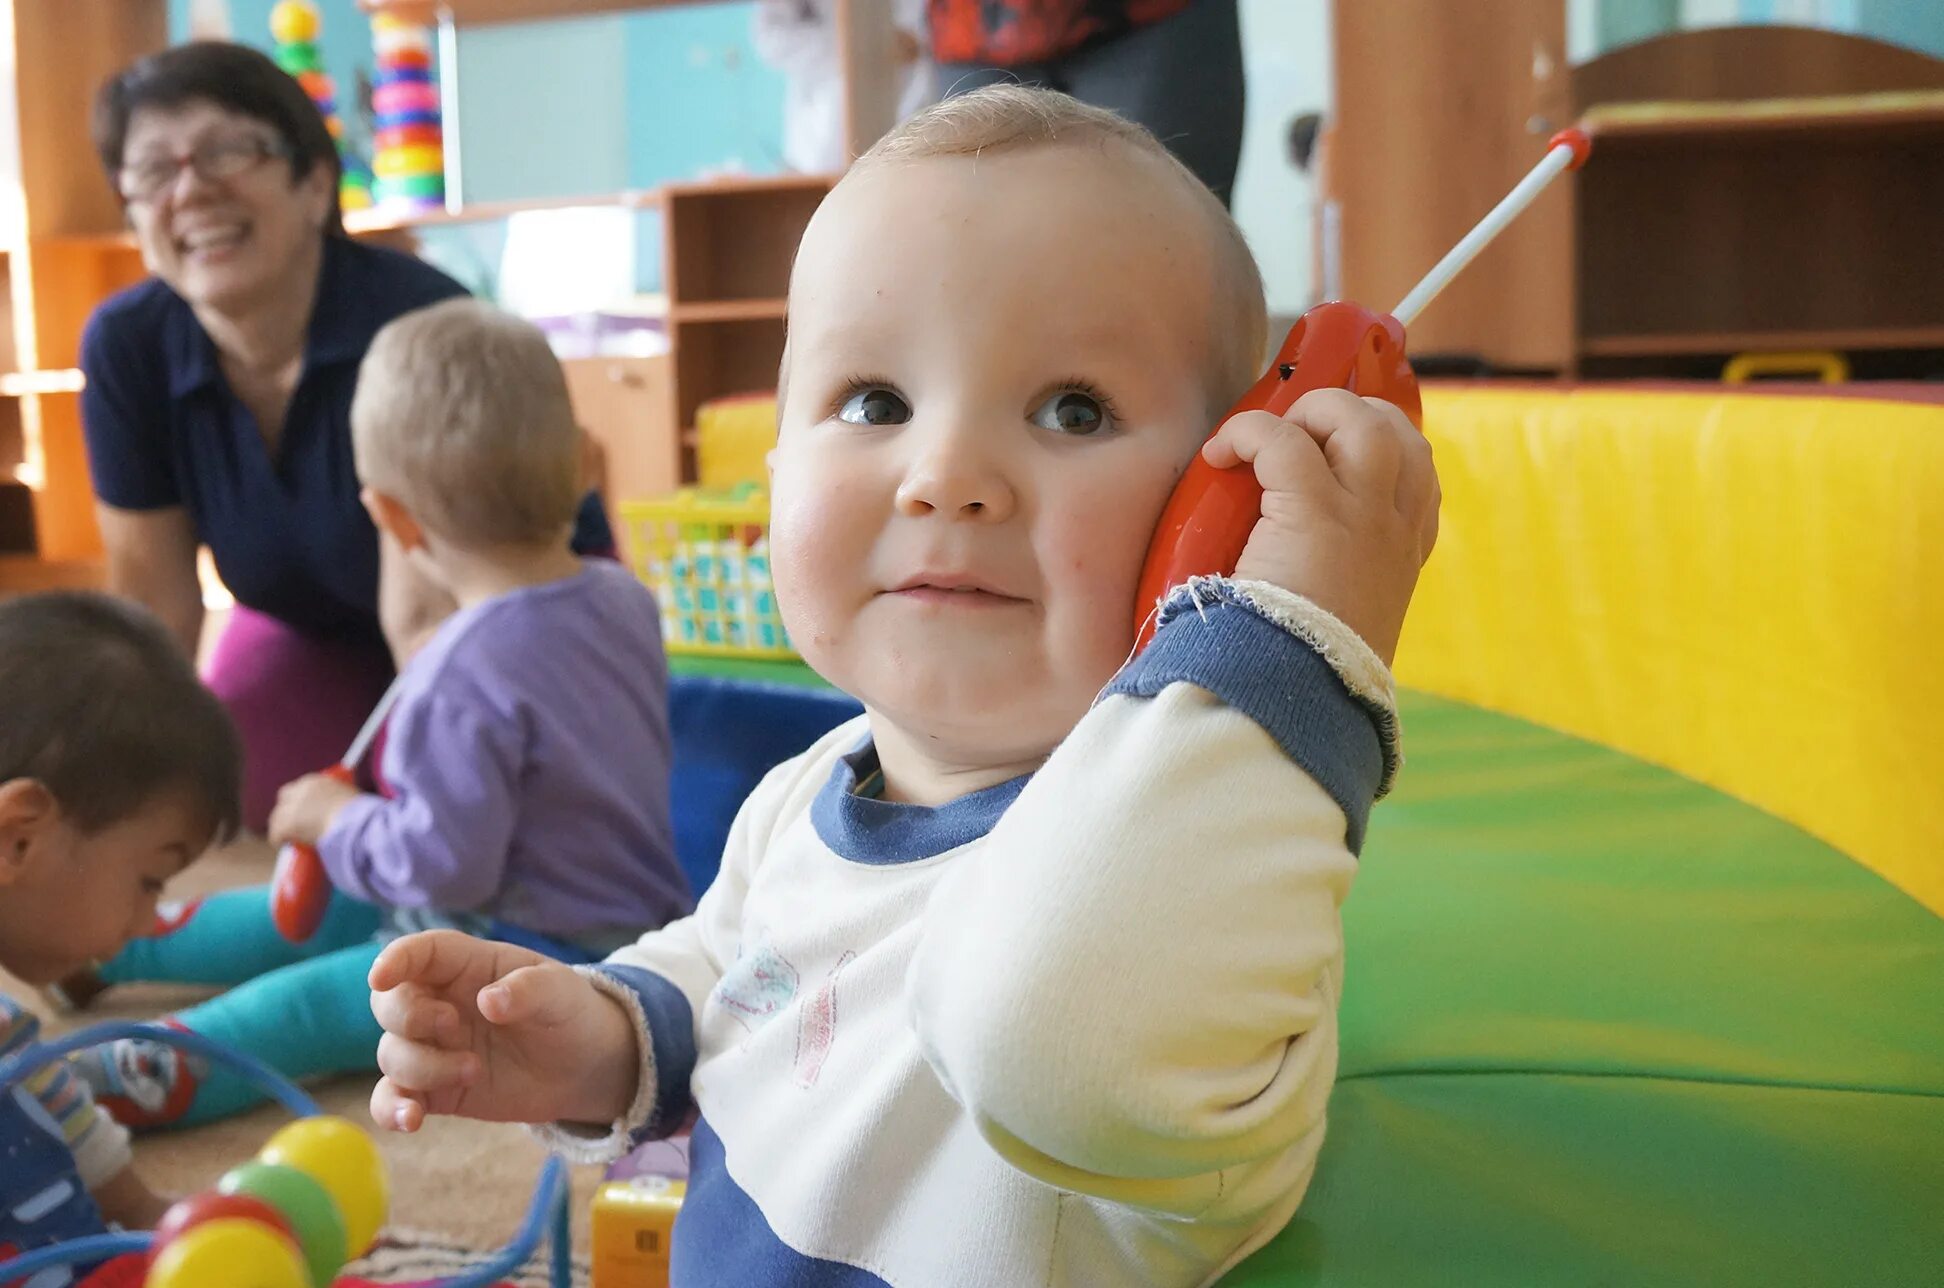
column 632, row 1224
column 733, row 438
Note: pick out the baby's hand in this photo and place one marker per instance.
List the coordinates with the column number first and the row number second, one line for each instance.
column 1349, row 506
column 487, row 1030
column 306, row 808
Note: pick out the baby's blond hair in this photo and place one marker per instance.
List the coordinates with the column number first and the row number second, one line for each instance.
column 1000, row 118
column 461, row 413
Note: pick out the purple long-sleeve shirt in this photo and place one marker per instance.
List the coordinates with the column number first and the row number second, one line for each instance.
column 528, row 757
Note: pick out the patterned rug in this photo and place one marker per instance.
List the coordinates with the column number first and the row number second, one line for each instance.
column 406, row 1256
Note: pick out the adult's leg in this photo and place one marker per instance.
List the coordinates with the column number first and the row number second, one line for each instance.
column 1181, row 78
column 304, row 1021
column 297, row 701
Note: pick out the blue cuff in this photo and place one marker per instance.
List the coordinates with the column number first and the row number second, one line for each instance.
column 1215, row 639
column 671, row 1035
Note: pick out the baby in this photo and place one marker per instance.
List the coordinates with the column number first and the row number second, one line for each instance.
column 1030, row 974
column 117, row 768
column 526, row 762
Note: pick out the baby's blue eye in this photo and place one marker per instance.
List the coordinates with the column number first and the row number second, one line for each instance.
column 1072, row 413
column 875, row 406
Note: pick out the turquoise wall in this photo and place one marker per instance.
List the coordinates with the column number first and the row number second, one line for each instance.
column 576, row 107
column 1917, row 23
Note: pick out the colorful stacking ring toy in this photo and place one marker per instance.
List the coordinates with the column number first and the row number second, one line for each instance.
column 313, row 1198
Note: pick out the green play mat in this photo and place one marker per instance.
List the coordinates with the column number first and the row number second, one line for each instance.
column 1604, row 1026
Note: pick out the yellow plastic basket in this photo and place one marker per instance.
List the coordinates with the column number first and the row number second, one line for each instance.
column 706, row 556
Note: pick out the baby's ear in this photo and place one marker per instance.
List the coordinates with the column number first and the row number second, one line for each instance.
column 393, row 519
column 27, row 809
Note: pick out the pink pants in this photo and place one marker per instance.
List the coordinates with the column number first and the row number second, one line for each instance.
column 297, row 700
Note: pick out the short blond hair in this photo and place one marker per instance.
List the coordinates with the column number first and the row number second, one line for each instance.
column 461, row 413
column 1001, row 118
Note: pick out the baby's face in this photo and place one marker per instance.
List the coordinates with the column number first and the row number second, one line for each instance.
column 86, row 894
column 998, row 370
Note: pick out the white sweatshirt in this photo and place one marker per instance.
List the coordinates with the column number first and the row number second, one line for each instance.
column 1074, row 1029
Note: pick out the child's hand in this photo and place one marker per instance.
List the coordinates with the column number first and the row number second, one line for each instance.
column 127, row 1200
column 306, row 809
column 1349, row 506
column 487, row 1030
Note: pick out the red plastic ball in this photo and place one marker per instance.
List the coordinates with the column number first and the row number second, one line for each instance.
column 210, row 1206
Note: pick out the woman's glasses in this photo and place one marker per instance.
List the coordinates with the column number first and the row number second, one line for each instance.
column 213, row 160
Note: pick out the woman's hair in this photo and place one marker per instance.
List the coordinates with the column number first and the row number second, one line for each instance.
column 99, row 706
column 234, row 77
column 462, row 414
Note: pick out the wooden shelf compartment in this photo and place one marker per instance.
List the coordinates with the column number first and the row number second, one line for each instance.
column 722, row 359
column 1822, row 234
column 735, row 241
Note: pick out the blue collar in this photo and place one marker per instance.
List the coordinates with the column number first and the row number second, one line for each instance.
column 339, row 329
column 866, row 830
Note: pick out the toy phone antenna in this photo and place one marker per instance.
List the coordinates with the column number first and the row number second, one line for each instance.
column 1567, row 151
column 369, row 733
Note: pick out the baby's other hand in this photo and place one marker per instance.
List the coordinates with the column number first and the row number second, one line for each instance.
column 127, row 1200
column 1349, row 506
column 487, row 1030
column 306, row 809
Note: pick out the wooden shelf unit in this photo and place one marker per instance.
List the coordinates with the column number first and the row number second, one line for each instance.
column 727, row 249
column 1751, row 188
column 67, row 249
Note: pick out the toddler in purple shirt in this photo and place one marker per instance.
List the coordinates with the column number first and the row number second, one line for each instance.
column 525, row 769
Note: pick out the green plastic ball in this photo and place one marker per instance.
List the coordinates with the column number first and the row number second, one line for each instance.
column 305, row 1204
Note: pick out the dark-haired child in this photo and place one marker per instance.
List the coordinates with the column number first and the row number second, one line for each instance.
column 117, row 768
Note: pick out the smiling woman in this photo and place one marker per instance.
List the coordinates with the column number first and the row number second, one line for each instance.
column 218, row 401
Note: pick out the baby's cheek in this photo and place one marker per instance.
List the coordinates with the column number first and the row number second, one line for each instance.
column 1100, row 552
column 816, row 549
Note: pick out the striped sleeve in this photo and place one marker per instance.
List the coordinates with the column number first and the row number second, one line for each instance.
column 100, row 1144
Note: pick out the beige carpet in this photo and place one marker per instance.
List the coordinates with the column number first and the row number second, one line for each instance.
column 464, row 1182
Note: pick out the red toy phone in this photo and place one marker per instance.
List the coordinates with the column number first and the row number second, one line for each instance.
column 1208, row 520
column 300, row 890
column 1209, row 517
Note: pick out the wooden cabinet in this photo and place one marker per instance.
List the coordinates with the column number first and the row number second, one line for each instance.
column 1750, row 188
column 1440, row 108
column 626, row 405
column 61, row 251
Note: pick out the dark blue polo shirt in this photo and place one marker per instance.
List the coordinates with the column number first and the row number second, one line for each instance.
column 288, row 533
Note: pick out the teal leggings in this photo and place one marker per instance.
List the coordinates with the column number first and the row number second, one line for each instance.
column 305, row 1009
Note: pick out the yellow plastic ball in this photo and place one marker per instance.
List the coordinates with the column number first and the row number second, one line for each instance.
column 234, row 1252
column 342, row 1159
column 294, row 22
